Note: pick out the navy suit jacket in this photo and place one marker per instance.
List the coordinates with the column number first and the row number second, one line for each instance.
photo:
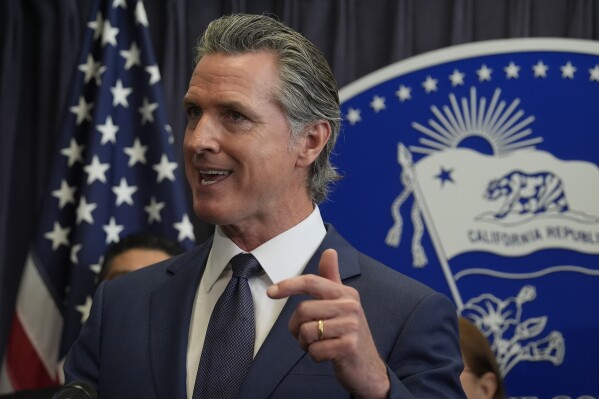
column 134, row 343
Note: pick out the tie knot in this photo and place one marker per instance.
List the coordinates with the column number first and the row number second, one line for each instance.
column 245, row 265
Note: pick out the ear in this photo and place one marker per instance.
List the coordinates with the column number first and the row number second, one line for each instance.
column 315, row 138
column 487, row 385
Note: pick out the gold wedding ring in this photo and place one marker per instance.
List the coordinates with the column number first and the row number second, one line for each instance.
column 320, row 330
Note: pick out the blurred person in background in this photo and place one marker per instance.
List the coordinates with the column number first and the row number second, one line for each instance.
column 135, row 251
column 481, row 378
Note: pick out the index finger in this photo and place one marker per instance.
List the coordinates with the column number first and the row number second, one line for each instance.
column 329, row 265
column 326, row 286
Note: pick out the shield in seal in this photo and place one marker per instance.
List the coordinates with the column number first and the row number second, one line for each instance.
column 474, row 169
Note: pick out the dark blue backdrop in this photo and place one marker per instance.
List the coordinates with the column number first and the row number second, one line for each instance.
column 534, row 300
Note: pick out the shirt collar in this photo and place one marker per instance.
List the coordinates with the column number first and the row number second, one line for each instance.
column 282, row 257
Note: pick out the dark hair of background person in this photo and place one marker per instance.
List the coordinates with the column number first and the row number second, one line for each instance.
column 39, row 52
column 142, row 240
column 478, row 355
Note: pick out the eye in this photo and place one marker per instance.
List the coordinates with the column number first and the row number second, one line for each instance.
column 236, row 116
column 193, row 112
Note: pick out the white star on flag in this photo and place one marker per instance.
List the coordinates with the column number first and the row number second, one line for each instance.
column 97, row 267
column 85, row 308
column 137, row 153
column 404, row 93
column 430, row 84
column 540, row 69
column 169, row 131
column 119, row 3
column 109, row 34
column 82, row 110
column 140, row 14
column 185, row 229
column 96, row 170
column 74, row 152
column 378, row 103
column 108, row 130
column 84, row 211
column 96, row 25
column 58, row 236
column 146, row 111
column 154, row 74
column 153, row 210
column 89, row 68
column 74, row 252
column 457, row 78
column 120, row 93
column 124, row 192
column 484, row 73
column 101, row 69
column 568, row 70
column 113, row 231
column 594, row 74
column 165, row 169
column 353, row 116
column 131, row 56
column 512, row 71
column 65, row 194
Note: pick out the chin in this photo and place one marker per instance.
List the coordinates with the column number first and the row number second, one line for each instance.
column 210, row 214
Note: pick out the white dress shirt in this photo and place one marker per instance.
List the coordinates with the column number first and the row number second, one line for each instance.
column 282, row 257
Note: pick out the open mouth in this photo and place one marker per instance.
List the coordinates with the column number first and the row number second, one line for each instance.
column 213, row 176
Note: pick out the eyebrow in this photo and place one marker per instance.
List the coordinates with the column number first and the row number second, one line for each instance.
column 232, row 104
column 186, row 101
column 228, row 103
column 225, row 104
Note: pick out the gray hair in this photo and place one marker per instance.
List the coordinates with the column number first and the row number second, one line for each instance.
column 307, row 89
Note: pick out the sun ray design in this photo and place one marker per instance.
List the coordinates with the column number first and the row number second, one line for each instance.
column 503, row 126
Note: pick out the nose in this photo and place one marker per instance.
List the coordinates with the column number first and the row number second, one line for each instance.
column 203, row 136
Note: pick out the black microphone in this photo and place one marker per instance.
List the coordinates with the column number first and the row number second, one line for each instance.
column 76, row 390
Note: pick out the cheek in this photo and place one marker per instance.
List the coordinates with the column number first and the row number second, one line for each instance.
column 187, row 143
column 189, row 170
column 468, row 385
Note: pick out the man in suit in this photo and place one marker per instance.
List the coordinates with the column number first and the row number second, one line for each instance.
column 263, row 118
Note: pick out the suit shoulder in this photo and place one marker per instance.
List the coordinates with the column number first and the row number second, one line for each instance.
column 388, row 278
column 372, row 276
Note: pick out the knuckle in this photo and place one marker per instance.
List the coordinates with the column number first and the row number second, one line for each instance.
column 311, row 279
column 355, row 307
column 304, row 330
column 351, row 343
column 352, row 325
column 302, row 309
column 316, row 355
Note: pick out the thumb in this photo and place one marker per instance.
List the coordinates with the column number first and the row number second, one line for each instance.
column 329, row 266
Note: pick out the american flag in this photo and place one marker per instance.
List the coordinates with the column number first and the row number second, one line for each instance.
column 115, row 173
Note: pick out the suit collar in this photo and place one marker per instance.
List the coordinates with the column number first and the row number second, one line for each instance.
column 170, row 312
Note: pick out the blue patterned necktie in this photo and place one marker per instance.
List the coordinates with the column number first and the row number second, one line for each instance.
column 229, row 345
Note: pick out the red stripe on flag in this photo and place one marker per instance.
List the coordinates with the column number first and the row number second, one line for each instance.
column 23, row 364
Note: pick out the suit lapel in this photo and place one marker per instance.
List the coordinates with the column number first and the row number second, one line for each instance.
column 280, row 351
column 170, row 314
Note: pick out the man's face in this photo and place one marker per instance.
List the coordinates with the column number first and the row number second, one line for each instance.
column 239, row 163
